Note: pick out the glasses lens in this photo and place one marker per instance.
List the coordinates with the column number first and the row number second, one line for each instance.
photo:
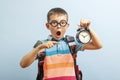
column 54, row 23
column 63, row 23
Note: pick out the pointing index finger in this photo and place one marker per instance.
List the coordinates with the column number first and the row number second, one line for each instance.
column 54, row 42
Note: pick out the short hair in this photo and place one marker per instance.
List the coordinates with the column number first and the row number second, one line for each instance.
column 56, row 11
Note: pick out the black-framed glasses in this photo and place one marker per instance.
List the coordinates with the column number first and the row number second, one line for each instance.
column 55, row 23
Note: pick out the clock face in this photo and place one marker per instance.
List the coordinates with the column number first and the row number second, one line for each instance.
column 84, row 36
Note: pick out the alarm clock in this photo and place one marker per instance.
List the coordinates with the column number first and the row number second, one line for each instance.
column 83, row 35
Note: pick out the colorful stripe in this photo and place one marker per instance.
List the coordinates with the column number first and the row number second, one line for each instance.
column 50, row 53
column 59, row 58
column 59, row 72
column 59, row 65
column 63, row 78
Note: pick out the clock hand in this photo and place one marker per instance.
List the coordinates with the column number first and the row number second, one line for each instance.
column 82, row 35
column 86, row 35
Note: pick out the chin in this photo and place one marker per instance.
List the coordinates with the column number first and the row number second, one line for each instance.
column 58, row 37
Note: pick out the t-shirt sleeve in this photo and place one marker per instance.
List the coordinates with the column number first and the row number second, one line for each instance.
column 37, row 43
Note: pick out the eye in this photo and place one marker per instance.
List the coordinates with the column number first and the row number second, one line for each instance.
column 63, row 23
column 54, row 23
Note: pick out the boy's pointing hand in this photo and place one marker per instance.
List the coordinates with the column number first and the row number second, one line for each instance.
column 49, row 44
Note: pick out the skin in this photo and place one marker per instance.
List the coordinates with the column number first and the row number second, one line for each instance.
column 30, row 57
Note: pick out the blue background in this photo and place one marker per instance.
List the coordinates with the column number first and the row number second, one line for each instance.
column 22, row 23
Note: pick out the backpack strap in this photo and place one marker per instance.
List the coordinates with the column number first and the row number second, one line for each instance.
column 37, row 43
column 40, row 62
column 72, row 46
column 71, row 43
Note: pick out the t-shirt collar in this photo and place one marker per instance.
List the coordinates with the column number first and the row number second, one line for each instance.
column 50, row 38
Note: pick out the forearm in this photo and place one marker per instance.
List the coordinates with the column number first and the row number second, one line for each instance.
column 29, row 58
column 96, row 42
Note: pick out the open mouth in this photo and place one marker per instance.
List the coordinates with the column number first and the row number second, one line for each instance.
column 58, row 33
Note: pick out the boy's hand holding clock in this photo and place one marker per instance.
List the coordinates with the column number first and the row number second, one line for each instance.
column 83, row 33
column 84, row 23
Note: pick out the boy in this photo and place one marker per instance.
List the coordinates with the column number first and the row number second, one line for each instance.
column 58, row 61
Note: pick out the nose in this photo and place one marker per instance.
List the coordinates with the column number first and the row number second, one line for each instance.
column 58, row 26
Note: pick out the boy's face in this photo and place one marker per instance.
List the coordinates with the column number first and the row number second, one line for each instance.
column 57, row 25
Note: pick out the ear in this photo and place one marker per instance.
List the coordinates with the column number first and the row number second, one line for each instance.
column 47, row 25
column 68, row 25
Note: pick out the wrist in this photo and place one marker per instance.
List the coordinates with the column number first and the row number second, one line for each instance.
column 40, row 47
column 39, row 50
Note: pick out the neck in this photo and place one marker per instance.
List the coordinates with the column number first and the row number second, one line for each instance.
column 53, row 39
